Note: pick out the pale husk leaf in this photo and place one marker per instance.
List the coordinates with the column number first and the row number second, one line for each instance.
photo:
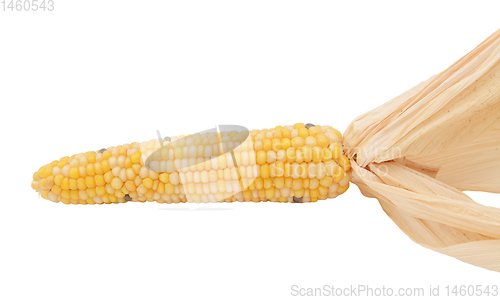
column 417, row 152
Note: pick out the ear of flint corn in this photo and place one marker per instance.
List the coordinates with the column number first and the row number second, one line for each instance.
column 415, row 154
column 284, row 164
column 419, row 151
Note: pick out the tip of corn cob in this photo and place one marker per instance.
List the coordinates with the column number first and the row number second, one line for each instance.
column 296, row 164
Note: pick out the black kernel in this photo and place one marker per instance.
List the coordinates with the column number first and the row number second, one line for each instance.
column 309, row 125
column 297, row 200
column 128, row 198
column 102, row 150
column 167, row 139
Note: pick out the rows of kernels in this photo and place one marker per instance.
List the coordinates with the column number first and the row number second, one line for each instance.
column 281, row 164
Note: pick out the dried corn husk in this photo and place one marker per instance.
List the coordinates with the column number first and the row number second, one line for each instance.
column 419, row 151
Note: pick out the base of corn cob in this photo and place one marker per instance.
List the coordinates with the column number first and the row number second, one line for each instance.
column 299, row 163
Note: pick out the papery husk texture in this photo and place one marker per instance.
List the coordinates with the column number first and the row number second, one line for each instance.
column 418, row 152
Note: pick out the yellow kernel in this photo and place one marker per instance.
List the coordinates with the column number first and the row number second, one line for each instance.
column 322, row 190
column 41, row 172
column 98, row 168
column 306, row 153
column 91, row 193
column 338, row 175
column 105, row 198
column 178, row 153
column 336, row 150
column 311, row 141
column 303, row 170
column 106, row 155
column 326, row 182
column 286, row 133
column 62, row 163
column 89, row 181
column 58, row 179
column 264, row 171
column 261, row 157
column 141, row 189
column 259, row 183
column 313, row 131
column 81, row 184
column 105, row 166
column 317, row 154
column 322, row 140
column 65, row 200
column 113, row 198
column 342, row 189
column 258, row 145
column 286, row 143
column 90, row 169
column 72, row 184
column 116, row 183
column 337, row 133
column 48, row 172
column 74, row 173
column 305, row 183
column 303, row 133
column 74, row 195
column 280, row 169
column 298, row 142
column 65, row 194
column 266, row 145
column 161, row 188
column 297, row 184
column 128, row 163
column 130, row 174
column 99, row 180
column 344, row 163
column 314, row 183
column 65, row 183
column 267, row 183
column 174, row 178
column 299, row 193
column 331, row 166
column 299, row 125
column 279, row 182
column 108, row 177
column 148, row 183
column 163, row 177
column 136, row 158
column 136, row 168
column 288, row 169
column 290, row 154
column 327, row 154
column 35, row 185
column 270, row 193
column 130, row 186
column 122, row 151
column 169, row 188
column 277, row 134
column 221, row 185
column 56, row 190
column 155, row 185
column 277, row 144
column 91, row 158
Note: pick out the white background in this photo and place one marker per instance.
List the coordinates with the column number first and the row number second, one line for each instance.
column 93, row 74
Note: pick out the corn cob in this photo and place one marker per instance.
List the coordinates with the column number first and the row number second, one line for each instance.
column 299, row 163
